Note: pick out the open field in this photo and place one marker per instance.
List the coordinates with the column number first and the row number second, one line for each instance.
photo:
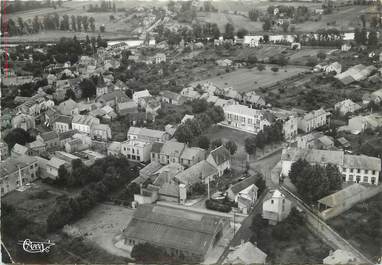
column 239, row 21
column 302, row 247
column 120, row 27
column 102, row 224
column 35, row 203
column 244, row 80
column 345, row 18
column 361, row 225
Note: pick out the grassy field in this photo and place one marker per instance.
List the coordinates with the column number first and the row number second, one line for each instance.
column 102, row 224
column 302, row 247
column 35, row 203
column 120, row 27
column 244, row 80
column 361, row 225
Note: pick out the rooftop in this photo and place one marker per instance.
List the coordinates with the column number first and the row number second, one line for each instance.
column 173, row 228
column 340, row 197
column 220, row 155
column 197, row 173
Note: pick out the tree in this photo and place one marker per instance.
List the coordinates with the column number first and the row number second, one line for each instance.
column 275, row 69
column 252, row 59
column 88, row 88
column 229, row 31
column 241, row 33
column 216, row 143
column 74, row 25
column 231, row 147
column 261, row 67
column 203, row 142
column 335, row 177
column 92, row 26
column 285, row 26
column 372, row 38
column 183, row 134
column 321, row 55
column 250, row 145
column 17, row 136
column 253, row 15
column 267, row 24
column 314, row 182
column 199, row 105
column 260, row 184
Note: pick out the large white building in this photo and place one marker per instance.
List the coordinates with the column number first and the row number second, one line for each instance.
column 136, row 150
column 313, row 120
column 83, row 123
column 243, row 118
column 354, row 168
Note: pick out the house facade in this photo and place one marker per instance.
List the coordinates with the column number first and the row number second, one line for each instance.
column 62, row 124
column 147, row 135
column 220, row 158
column 290, row 127
column 16, row 172
column 313, row 120
column 354, row 168
column 243, row 118
column 136, row 150
column 346, row 106
column 276, row 208
column 83, row 123
column 101, row 132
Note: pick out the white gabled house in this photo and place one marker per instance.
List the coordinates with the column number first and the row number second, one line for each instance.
column 276, row 207
column 220, row 158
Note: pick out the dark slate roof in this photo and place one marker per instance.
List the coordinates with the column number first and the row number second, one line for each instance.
column 64, row 119
column 220, row 155
column 47, row 136
column 173, row 228
column 66, row 135
column 243, row 184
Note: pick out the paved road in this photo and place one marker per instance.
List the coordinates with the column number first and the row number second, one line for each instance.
column 244, row 232
column 324, row 230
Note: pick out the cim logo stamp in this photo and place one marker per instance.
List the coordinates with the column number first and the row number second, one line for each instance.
column 36, row 246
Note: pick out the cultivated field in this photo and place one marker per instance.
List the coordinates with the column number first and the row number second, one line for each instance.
column 120, row 27
column 102, row 224
column 244, row 80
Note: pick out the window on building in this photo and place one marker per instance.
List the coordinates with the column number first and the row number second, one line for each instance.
column 358, row 170
column 351, row 178
column 373, row 172
column 372, row 180
column 365, row 179
column 271, row 201
column 351, row 170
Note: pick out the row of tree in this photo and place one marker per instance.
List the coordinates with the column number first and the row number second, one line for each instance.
column 203, row 120
column 314, row 182
column 105, row 6
column 362, row 37
column 51, row 22
column 269, row 135
column 106, row 175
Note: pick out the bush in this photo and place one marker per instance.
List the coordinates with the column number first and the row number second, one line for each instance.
column 217, row 206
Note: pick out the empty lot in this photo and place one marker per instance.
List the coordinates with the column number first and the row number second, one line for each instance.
column 102, row 224
column 244, row 80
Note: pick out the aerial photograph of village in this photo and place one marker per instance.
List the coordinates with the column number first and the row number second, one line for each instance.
column 191, row 132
